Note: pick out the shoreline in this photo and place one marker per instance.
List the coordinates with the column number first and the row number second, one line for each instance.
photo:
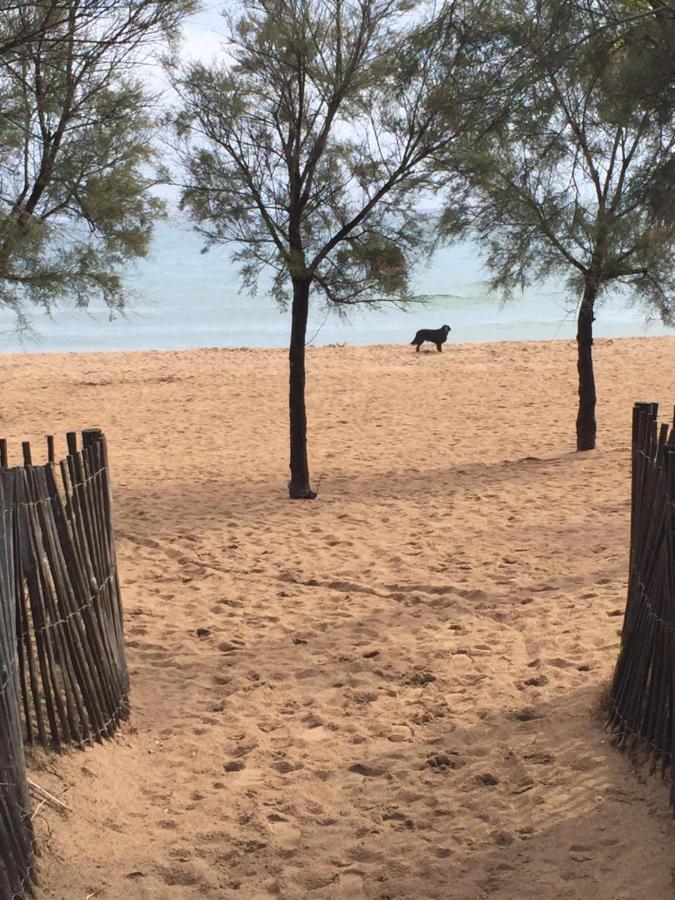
column 314, row 348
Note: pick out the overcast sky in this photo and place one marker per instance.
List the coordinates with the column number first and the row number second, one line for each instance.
column 202, row 32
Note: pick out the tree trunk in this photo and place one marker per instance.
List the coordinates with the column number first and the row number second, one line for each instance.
column 298, row 487
column 586, row 425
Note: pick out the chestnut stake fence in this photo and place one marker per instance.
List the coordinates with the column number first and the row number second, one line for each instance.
column 643, row 687
column 16, row 833
column 63, row 672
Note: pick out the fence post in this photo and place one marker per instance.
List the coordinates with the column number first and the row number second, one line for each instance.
column 17, row 848
column 94, row 440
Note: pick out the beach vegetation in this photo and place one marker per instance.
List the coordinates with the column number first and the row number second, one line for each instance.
column 305, row 149
column 578, row 178
column 77, row 164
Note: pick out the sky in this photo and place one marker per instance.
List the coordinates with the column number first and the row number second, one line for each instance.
column 203, row 32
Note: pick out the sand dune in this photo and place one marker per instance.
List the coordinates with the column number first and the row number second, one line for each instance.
column 393, row 688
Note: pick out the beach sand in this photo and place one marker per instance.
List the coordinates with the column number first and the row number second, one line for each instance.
column 398, row 693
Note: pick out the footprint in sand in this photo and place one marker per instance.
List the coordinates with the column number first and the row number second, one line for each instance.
column 316, row 734
column 285, row 833
column 350, row 886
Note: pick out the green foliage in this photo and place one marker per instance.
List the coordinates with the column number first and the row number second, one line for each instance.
column 578, row 178
column 76, row 148
column 307, row 146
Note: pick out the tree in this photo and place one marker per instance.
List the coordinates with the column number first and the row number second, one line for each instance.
column 305, row 148
column 581, row 181
column 76, row 132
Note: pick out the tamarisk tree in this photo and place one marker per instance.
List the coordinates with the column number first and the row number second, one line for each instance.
column 76, row 132
column 581, row 181
column 305, row 145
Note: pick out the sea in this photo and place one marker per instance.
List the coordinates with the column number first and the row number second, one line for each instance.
column 180, row 297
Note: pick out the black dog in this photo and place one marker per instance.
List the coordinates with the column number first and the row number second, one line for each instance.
column 436, row 336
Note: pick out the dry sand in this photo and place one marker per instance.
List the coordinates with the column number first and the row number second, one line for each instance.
column 397, row 696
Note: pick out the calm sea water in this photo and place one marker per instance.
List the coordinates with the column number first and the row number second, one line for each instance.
column 182, row 298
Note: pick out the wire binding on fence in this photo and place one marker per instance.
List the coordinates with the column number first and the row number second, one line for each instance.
column 643, row 687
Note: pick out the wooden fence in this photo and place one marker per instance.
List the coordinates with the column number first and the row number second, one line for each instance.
column 63, row 673
column 16, row 833
column 643, row 689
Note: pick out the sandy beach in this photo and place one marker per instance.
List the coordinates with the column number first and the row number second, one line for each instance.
column 395, row 689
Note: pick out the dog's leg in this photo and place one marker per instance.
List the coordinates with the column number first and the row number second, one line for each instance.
column 439, row 347
column 417, row 348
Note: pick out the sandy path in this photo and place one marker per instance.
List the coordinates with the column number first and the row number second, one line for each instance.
column 395, row 695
